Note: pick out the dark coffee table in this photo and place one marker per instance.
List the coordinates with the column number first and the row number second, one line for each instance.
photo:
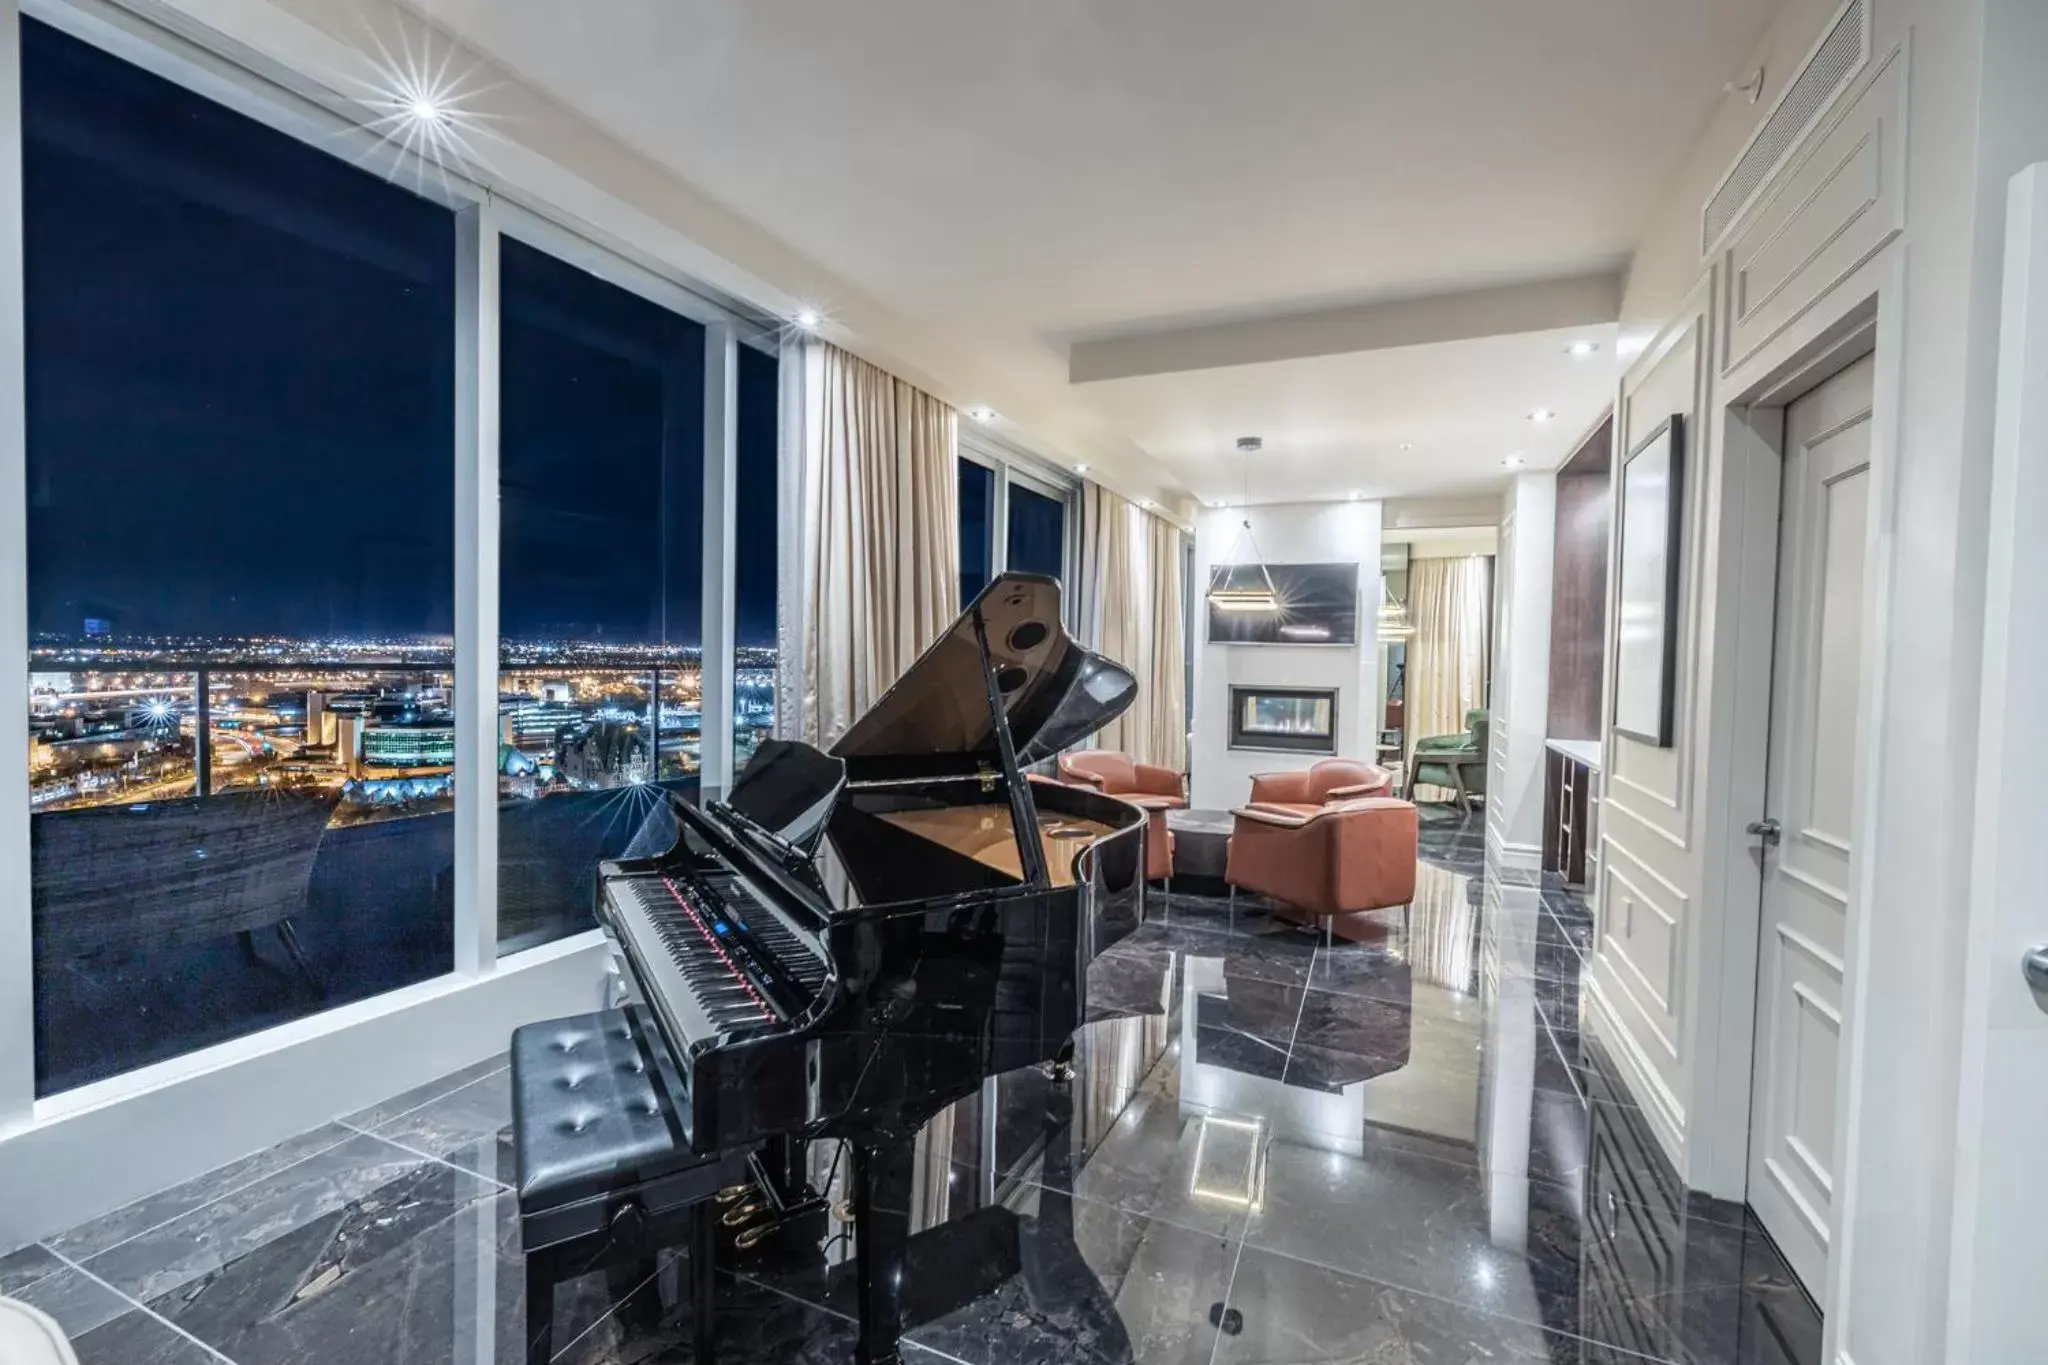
column 1201, row 842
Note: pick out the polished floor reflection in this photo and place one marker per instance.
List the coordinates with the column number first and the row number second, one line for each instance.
column 1399, row 1150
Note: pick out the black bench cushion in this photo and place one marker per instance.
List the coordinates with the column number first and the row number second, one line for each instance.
column 588, row 1115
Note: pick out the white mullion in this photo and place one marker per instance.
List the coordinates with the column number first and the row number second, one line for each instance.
column 476, row 591
column 721, row 455
column 17, row 941
column 791, row 585
column 999, row 525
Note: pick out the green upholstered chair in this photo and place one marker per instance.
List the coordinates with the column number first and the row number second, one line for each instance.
column 1455, row 761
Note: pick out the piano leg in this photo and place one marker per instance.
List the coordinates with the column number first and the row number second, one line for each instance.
column 881, row 1229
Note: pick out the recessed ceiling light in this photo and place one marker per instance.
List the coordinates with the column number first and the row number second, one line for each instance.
column 1146, row 502
column 982, row 413
column 808, row 319
column 1541, row 415
column 1353, row 496
column 425, row 108
column 1515, row 461
column 1080, row 469
column 1579, row 350
column 1407, row 445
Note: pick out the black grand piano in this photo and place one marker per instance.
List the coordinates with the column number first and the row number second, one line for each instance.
column 855, row 940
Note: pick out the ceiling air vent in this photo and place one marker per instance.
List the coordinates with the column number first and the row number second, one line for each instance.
column 1828, row 71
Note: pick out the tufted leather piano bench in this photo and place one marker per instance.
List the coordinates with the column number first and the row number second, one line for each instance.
column 606, row 1176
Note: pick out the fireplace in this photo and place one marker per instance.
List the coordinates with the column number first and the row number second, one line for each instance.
column 1300, row 720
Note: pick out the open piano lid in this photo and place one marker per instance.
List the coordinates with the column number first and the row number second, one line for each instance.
column 937, row 719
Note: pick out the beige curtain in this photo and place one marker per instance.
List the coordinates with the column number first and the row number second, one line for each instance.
column 1447, row 654
column 882, row 546
column 1166, row 682
column 1130, row 610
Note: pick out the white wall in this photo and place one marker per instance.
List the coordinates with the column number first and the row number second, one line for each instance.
column 1520, row 704
column 1928, row 137
column 1302, row 533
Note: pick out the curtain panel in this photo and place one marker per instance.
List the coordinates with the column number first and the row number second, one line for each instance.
column 1447, row 655
column 881, row 535
column 1131, row 611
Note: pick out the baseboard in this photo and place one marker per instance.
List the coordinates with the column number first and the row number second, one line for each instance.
column 1522, row 857
column 1659, row 1105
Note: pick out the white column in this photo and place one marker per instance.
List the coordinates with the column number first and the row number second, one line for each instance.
column 17, row 948
column 1520, row 717
column 721, row 459
column 790, row 576
column 476, row 591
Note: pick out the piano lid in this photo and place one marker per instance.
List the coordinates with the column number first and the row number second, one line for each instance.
column 936, row 719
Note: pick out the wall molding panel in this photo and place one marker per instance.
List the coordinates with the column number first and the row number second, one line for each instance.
column 1836, row 206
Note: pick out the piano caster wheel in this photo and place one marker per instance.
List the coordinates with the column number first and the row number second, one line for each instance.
column 1228, row 1321
column 1059, row 1073
column 843, row 1210
column 732, row 1194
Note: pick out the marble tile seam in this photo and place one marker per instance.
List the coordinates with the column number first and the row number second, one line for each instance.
column 1532, row 1320
column 141, row 1308
column 501, row 1186
column 229, row 1193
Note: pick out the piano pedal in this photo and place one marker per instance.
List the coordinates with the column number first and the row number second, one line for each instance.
column 732, row 1194
column 749, row 1238
column 745, row 1214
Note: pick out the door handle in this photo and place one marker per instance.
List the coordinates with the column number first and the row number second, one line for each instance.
column 2035, row 965
column 1768, row 830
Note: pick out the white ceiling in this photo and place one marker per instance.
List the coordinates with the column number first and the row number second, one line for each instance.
column 1013, row 174
column 1335, row 425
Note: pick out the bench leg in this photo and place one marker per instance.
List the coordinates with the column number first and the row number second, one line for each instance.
column 540, row 1311
column 703, row 1280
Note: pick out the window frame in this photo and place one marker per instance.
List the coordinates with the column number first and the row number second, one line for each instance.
column 473, row 1001
column 1011, row 465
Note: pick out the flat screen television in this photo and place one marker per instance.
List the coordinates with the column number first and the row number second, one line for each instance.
column 1313, row 604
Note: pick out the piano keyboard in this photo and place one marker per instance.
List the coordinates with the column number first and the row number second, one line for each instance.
column 726, row 963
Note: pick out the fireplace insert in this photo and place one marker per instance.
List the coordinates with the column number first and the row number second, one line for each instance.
column 1286, row 719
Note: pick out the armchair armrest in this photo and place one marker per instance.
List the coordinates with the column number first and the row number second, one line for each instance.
column 1269, row 815
column 1381, row 787
column 1154, row 780
column 1436, row 744
column 1077, row 777
column 1286, row 789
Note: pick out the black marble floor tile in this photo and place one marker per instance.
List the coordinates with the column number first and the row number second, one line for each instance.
column 386, row 1110
column 1289, row 1310
column 90, row 1238
column 21, row 1268
column 1123, row 983
column 1096, row 1284
column 137, row 1338
column 470, row 1127
column 332, row 1185
column 1162, row 1165
column 1284, row 955
column 1499, row 1244
column 79, row 1303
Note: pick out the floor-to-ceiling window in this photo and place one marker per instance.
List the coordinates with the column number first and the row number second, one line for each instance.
column 755, row 552
column 239, row 364
column 977, row 524
column 601, row 458
column 1038, row 532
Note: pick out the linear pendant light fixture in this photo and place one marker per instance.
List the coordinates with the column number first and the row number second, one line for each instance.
column 1252, row 594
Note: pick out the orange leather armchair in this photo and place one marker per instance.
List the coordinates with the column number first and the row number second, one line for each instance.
column 1156, row 789
column 1333, row 779
column 1332, row 863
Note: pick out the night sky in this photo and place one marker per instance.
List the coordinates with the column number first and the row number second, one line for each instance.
column 240, row 395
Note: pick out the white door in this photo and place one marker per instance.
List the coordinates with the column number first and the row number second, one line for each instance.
column 1999, row 1268
column 1810, row 792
